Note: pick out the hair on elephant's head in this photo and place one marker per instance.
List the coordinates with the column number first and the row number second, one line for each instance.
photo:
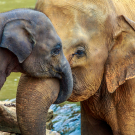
column 31, row 37
column 97, row 42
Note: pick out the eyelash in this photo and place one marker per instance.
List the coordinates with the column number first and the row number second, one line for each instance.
column 79, row 53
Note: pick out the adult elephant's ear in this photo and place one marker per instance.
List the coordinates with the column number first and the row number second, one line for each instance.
column 19, row 37
column 120, row 64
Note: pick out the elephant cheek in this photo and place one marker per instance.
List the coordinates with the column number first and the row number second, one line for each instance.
column 78, row 96
column 34, row 97
column 83, row 88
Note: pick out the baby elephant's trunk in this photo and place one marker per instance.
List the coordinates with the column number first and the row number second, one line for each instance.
column 34, row 97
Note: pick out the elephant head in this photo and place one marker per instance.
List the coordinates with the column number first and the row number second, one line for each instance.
column 30, row 36
column 30, row 44
column 97, row 41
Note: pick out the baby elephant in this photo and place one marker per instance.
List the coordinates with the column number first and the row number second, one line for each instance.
column 30, row 44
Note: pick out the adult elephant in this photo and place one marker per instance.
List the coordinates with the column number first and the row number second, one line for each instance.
column 99, row 42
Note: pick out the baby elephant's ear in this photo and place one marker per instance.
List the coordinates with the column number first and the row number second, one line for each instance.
column 19, row 37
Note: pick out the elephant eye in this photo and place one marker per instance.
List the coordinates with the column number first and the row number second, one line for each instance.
column 80, row 52
column 56, row 50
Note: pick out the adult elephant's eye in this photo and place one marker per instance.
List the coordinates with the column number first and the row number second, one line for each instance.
column 80, row 52
column 56, row 50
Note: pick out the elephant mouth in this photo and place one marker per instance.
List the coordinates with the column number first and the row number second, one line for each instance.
column 55, row 73
column 64, row 76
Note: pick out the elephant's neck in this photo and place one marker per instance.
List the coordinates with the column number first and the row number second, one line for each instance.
column 98, row 102
column 9, row 63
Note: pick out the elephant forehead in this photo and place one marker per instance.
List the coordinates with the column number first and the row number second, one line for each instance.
column 66, row 14
column 70, row 18
column 80, row 5
column 47, row 35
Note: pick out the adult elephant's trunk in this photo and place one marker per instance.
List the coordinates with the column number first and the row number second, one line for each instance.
column 34, row 97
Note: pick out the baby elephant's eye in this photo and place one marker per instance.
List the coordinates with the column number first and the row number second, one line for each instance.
column 56, row 50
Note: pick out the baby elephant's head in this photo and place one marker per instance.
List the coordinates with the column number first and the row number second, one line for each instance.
column 31, row 36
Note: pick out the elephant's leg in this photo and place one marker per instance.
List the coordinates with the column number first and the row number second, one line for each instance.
column 92, row 126
column 34, row 97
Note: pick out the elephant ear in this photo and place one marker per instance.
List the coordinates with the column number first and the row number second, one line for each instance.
column 19, row 37
column 120, row 64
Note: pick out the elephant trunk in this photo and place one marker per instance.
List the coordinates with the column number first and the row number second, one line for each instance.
column 34, row 97
column 66, row 83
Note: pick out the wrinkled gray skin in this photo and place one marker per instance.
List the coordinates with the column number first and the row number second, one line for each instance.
column 30, row 44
